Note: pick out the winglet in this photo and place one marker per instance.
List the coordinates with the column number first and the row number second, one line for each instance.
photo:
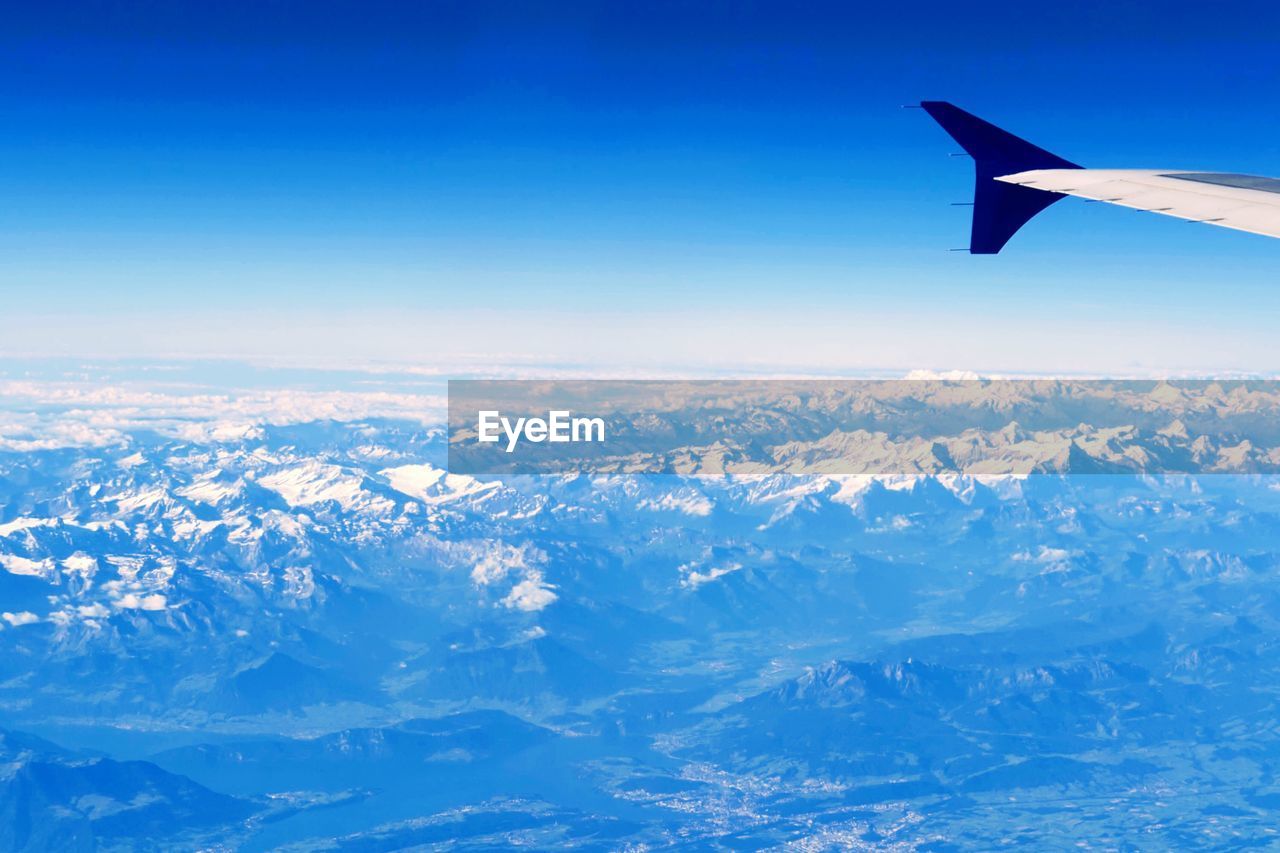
column 999, row 209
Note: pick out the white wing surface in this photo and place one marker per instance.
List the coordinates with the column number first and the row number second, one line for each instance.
column 1242, row 202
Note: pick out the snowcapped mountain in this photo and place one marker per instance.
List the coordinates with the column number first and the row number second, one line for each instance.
column 317, row 632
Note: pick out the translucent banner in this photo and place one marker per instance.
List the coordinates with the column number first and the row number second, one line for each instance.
column 752, row 428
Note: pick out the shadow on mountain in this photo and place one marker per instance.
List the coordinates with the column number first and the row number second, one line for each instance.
column 282, row 683
column 54, row 799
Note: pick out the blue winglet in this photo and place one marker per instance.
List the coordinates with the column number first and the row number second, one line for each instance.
column 999, row 209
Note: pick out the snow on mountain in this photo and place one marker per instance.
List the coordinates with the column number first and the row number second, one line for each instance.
column 685, row 502
column 214, row 488
column 311, row 483
column 16, row 565
column 433, row 485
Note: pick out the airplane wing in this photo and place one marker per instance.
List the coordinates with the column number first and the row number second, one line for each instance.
column 1015, row 180
column 1242, row 202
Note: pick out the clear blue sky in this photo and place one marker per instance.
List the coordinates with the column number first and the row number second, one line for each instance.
column 201, row 173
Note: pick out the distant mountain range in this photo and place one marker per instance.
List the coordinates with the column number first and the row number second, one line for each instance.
column 754, row 428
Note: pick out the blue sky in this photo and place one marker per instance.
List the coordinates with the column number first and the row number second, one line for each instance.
column 697, row 183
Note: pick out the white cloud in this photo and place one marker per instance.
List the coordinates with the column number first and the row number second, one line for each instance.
column 495, row 562
column 693, row 579
column 130, row 601
column 530, row 595
column 48, row 415
column 499, row 559
column 950, row 375
column 24, row 617
column 1045, row 555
